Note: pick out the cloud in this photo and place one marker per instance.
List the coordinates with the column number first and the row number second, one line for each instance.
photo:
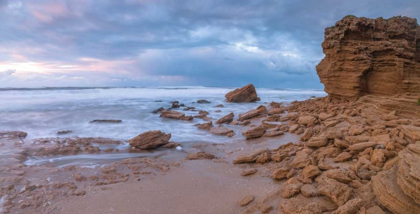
column 272, row 43
column 7, row 73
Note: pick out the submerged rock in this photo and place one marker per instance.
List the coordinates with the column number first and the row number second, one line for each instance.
column 245, row 94
column 13, row 134
column 175, row 115
column 64, row 132
column 106, row 121
column 222, row 131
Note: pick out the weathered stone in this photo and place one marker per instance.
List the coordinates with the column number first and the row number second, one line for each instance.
column 248, row 172
column 255, row 132
column 259, row 111
column 226, row 119
column 307, row 134
column 249, row 158
column 222, row 131
column 317, row 141
column 362, row 146
column 150, row 140
column 244, row 94
column 247, row 200
column 309, row 190
column 338, row 192
column 311, row 171
column 344, row 156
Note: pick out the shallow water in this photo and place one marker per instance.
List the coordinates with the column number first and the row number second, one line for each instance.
column 41, row 113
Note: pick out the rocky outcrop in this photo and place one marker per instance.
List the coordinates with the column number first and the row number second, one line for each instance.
column 371, row 56
column 150, row 140
column 398, row 188
column 245, row 94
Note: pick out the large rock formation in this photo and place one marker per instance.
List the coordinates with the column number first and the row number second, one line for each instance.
column 371, row 56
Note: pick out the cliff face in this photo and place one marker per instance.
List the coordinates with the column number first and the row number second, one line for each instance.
column 371, row 56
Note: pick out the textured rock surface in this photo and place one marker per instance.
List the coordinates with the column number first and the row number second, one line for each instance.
column 241, row 95
column 398, row 188
column 371, row 56
column 150, row 140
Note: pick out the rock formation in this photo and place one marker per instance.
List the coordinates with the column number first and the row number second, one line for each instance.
column 398, row 189
column 245, row 94
column 371, row 56
column 150, row 140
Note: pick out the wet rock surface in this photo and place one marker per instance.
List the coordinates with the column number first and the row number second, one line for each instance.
column 150, row 140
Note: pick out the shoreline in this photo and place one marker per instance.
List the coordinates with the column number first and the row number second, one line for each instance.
column 87, row 189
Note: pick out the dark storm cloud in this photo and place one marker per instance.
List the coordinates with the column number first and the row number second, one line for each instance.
column 167, row 42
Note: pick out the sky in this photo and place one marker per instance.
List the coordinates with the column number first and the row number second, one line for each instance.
column 273, row 44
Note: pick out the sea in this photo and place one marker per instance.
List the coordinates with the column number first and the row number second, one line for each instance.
column 42, row 112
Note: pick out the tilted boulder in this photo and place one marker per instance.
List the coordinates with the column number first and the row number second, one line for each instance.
column 245, row 94
column 150, row 140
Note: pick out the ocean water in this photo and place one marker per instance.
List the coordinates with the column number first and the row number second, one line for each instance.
column 43, row 112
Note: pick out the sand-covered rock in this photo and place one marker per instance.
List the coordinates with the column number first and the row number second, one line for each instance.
column 245, row 94
column 150, row 140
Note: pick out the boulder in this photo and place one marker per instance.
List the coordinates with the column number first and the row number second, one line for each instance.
column 307, row 120
column 301, row 160
column 338, row 175
column 338, row 192
column 226, row 119
column 248, row 172
column 280, row 173
column 255, row 132
column 307, row 134
column 222, row 131
column 150, row 140
column 246, row 200
column 259, row 111
column 203, row 101
column 200, row 156
column 309, row 190
column 319, row 141
column 350, row 207
column 342, row 157
column 205, row 126
column 273, row 132
column 249, row 158
column 175, row 115
column 311, row 171
column 362, row 146
column 245, row 94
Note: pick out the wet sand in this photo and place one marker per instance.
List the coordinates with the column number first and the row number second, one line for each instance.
column 200, row 186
